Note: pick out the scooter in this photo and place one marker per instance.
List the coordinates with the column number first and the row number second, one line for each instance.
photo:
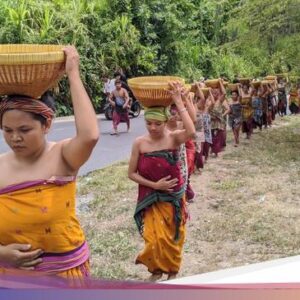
column 134, row 110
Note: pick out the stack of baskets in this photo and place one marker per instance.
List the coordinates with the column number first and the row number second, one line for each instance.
column 153, row 90
column 30, row 70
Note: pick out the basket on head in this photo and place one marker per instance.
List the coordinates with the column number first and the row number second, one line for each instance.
column 153, row 90
column 270, row 77
column 256, row 84
column 244, row 80
column 233, row 87
column 205, row 91
column 266, row 82
column 30, row 70
column 212, row 83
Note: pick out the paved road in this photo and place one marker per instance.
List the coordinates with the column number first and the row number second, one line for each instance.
column 109, row 149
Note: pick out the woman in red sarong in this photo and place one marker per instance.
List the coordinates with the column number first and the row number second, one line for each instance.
column 160, row 213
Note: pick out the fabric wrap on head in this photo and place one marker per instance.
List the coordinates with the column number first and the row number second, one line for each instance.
column 25, row 104
column 159, row 113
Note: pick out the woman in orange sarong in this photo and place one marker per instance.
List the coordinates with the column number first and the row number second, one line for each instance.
column 39, row 230
column 160, row 211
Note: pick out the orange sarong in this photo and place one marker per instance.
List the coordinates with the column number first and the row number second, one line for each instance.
column 43, row 215
column 162, row 254
column 160, row 216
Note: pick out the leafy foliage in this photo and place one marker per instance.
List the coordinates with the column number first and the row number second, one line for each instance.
column 190, row 38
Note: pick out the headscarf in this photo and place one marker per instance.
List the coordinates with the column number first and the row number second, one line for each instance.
column 25, row 104
column 159, row 113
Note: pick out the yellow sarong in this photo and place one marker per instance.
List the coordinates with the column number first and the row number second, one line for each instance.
column 247, row 110
column 161, row 254
column 44, row 216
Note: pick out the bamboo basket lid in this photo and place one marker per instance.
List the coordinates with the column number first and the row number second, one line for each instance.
column 29, row 69
column 153, row 90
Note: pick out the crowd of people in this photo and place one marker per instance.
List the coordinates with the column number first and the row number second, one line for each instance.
column 179, row 141
column 40, row 232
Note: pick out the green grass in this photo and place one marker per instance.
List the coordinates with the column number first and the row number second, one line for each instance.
column 247, row 208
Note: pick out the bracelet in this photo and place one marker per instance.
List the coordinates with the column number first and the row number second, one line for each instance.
column 182, row 110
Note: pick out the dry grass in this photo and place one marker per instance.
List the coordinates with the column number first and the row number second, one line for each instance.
column 246, row 209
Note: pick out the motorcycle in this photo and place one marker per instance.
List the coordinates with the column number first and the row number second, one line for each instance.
column 134, row 109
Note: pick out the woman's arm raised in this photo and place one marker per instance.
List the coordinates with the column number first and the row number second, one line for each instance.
column 181, row 136
column 77, row 150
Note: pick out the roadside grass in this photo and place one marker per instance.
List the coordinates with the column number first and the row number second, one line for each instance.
column 246, row 210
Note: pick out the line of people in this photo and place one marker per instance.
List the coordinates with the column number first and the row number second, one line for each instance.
column 178, row 141
column 40, row 233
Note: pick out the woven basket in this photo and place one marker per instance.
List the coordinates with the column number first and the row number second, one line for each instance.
column 30, row 69
column 270, row 77
column 205, row 91
column 265, row 82
column 244, row 80
column 233, row 87
column 152, row 90
column 256, row 84
column 212, row 83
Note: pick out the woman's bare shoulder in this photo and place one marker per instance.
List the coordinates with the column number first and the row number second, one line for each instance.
column 141, row 139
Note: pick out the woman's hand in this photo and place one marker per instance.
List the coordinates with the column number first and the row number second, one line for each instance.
column 19, row 256
column 185, row 94
column 176, row 92
column 166, row 184
column 72, row 60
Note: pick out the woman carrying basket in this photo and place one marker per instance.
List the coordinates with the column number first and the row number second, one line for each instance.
column 160, row 211
column 39, row 230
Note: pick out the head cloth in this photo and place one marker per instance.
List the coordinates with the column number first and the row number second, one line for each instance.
column 25, row 104
column 159, row 113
